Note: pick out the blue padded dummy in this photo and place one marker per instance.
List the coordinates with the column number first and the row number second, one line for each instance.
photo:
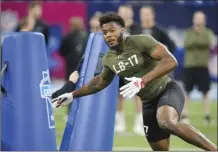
column 26, row 110
column 91, row 120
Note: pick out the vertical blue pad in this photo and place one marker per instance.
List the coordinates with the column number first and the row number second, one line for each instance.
column 27, row 114
column 91, row 120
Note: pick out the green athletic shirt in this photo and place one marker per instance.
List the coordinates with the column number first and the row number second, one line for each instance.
column 135, row 61
column 197, row 46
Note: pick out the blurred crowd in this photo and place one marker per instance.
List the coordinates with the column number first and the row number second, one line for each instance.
column 198, row 43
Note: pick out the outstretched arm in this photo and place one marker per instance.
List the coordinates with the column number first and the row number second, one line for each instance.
column 97, row 84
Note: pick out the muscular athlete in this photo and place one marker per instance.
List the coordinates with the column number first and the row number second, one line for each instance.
column 144, row 63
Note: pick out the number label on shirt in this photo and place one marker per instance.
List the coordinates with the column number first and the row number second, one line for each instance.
column 122, row 65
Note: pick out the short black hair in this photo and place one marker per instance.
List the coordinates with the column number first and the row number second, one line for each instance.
column 111, row 17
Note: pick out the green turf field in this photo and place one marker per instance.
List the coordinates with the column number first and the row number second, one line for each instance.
column 133, row 142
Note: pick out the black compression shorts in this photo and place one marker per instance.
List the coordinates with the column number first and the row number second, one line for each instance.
column 173, row 96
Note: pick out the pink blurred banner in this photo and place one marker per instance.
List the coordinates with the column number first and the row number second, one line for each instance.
column 53, row 12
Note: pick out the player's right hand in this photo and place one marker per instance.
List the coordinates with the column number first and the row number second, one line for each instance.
column 63, row 99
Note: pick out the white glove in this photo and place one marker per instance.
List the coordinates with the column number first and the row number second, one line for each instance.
column 132, row 88
column 63, row 99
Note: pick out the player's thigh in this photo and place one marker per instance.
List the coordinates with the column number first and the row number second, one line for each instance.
column 152, row 130
column 189, row 79
column 173, row 98
column 203, row 81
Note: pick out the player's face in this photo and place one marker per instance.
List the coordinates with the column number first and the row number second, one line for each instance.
column 112, row 34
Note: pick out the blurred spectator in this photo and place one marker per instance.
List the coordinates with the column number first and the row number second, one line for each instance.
column 149, row 26
column 8, row 21
column 35, row 13
column 94, row 23
column 197, row 43
column 27, row 24
column 73, row 45
column 127, row 13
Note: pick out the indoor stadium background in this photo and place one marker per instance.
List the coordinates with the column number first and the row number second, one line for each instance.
column 174, row 16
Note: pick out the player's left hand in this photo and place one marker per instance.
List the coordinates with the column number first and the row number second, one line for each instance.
column 132, row 88
column 63, row 99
